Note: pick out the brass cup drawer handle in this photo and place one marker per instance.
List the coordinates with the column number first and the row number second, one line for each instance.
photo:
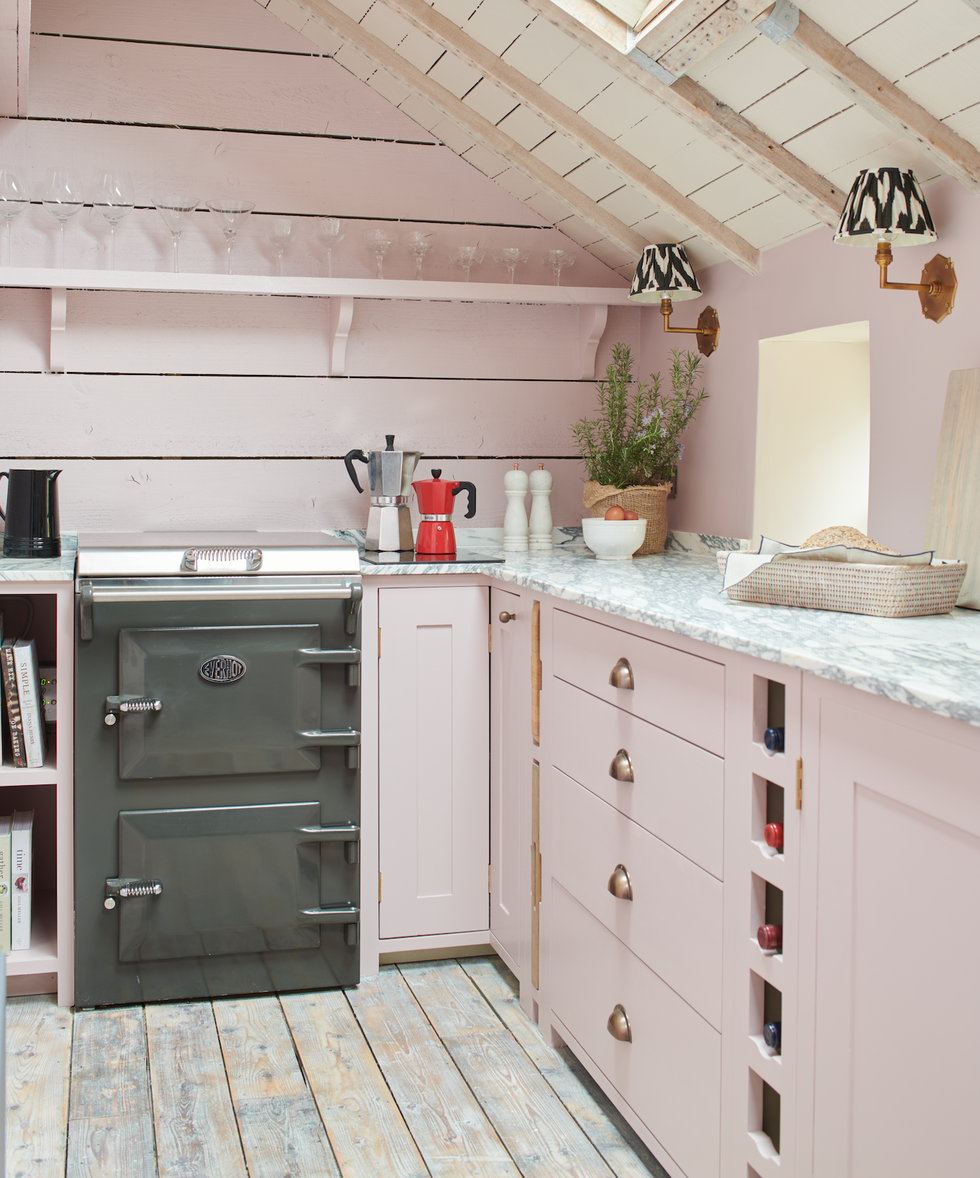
column 619, row 883
column 622, row 675
column 621, row 767
column 619, row 1025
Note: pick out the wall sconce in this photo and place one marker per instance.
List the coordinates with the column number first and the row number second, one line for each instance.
column 664, row 273
column 887, row 208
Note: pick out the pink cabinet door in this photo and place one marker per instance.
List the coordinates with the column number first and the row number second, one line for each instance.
column 433, row 760
column 510, row 775
column 891, row 811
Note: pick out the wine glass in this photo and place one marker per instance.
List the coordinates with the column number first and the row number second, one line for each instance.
column 114, row 200
column 419, row 244
column 62, row 197
column 558, row 260
column 13, row 200
column 230, row 214
column 329, row 232
column 510, row 256
column 466, row 256
column 380, row 242
column 175, row 209
column 280, row 233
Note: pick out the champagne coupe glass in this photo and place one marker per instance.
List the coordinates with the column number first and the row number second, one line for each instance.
column 419, row 243
column 380, row 242
column 62, row 197
column 175, row 209
column 280, row 233
column 329, row 232
column 510, row 256
column 230, row 214
column 114, row 199
column 466, row 256
column 13, row 200
column 558, row 260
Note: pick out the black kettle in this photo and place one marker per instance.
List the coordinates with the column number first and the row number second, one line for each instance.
column 31, row 519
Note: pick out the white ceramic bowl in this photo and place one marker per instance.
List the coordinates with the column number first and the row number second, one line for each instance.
column 614, row 539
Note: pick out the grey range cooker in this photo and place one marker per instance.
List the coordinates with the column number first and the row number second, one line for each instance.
column 217, row 805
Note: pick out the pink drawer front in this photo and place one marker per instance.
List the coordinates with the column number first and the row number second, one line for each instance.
column 673, row 921
column 670, row 1074
column 679, row 692
column 677, row 791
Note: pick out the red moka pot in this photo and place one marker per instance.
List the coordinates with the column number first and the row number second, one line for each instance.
column 436, row 495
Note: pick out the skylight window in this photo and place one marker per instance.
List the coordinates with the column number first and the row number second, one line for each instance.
column 638, row 13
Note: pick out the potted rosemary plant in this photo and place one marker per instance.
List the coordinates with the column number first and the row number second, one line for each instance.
column 632, row 447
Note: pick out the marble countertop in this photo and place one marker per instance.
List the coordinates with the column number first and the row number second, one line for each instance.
column 930, row 662
column 55, row 568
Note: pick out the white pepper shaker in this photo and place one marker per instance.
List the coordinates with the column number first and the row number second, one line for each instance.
column 515, row 515
column 541, row 482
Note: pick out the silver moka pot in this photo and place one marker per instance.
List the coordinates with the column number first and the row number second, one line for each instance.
column 389, row 526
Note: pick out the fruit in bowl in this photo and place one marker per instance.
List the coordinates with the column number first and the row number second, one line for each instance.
column 614, row 539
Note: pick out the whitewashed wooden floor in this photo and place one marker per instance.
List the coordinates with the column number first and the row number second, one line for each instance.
column 429, row 1069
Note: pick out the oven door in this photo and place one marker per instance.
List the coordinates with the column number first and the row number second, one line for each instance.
column 216, row 796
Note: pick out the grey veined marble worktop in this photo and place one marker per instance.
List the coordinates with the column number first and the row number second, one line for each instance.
column 930, row 662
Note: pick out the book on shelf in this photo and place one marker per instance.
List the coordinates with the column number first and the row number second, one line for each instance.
column 5, row 884
column 21, row 833
column 29, row 697
column 8, row 672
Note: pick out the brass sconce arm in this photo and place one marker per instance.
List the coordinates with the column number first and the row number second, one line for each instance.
column 707, row 330
column 937, row 290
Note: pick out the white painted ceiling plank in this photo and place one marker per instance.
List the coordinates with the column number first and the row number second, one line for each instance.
column 561, row 154
column 540, row 49
column 485, row 160
column 572, row 124
column 619, row 107
column 596, row 179
column 949, row 85
column 525, row 127
column 819, row 51
column 916, row 36
column 745, row 77
column 656, row 138
column 459, row 11
column 483, row 131
column 490, row 101
column 803, row 102
column 848, row 21
column 578, row 79
column 300, row 21
column 696, row 165
column 629, row 205
column 779, row 219
column 735, row 193
column 457, row 77
column 519, row 185
column 498, row 24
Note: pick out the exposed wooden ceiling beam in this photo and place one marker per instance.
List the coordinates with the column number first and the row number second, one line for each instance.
column 15, row 43
column 815, row 48
column 768, row 159
column 569, row 122
column 686, row 32
column 482, row 130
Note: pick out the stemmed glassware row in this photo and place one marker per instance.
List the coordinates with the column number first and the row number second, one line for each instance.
column 115, row 198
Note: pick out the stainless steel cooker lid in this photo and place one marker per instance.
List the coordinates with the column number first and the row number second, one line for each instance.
column 188, row 554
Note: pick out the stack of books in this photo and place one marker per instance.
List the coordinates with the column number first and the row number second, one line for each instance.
column 23, row 695
column 15, row 880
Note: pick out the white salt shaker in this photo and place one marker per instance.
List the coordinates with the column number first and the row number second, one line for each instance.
column 541, row 482
column 515, row 515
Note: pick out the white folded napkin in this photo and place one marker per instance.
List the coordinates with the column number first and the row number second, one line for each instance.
column 742, row 564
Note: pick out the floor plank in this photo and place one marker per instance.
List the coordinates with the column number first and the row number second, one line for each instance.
column 110, row 1124
column 367, row 1132
column 281, row 1132
column 38, row 1070
column 195, row 1126
column 623, row 1151
column 447, row 1122
column 540, row 1134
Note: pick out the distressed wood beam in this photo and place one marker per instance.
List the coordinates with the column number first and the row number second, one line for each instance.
column 815, row 48
column 15, row 43
column 686, row 32
column 569, row 122
column 335, row 22
column 768, row 159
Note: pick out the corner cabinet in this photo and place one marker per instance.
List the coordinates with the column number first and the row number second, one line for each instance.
column 37, row 601
column 341, row 295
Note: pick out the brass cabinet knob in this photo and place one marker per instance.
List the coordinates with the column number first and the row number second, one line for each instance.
column 621, row 767
column 619, row 1025
column 622, row 675
column 506, row 617
column 619, row 883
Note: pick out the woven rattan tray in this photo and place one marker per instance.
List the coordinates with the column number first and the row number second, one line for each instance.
column 885, row 591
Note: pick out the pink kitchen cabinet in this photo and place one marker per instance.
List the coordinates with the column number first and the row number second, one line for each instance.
column 433, row 764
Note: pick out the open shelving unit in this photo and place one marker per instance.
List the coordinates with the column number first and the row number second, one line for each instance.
column 593, row 303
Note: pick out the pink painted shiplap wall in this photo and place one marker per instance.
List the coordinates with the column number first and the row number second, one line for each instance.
column 809, row 283
column 215, row 410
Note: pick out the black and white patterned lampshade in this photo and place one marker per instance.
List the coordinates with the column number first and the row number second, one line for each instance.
column 886, row 205
column 664, row 272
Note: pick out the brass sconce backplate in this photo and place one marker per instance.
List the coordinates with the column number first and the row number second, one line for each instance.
column 709, row 330
column 938, row 272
